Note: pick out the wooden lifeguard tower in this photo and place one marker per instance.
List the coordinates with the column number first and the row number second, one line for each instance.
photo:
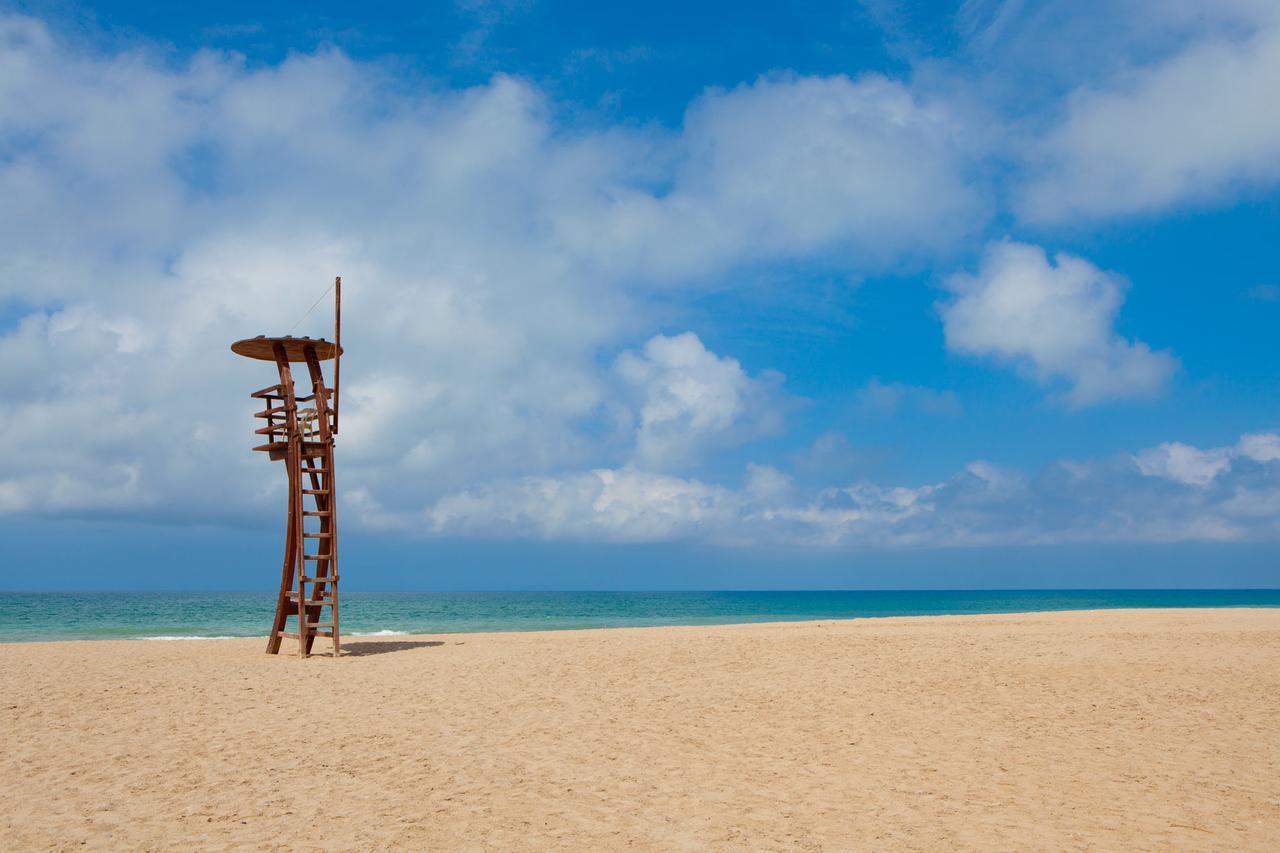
column 303, row 439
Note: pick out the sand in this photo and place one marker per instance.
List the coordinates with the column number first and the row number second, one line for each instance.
column 1153, row 729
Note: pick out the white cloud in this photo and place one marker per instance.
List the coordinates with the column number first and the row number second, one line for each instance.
column 628, row 505
column 811, row 161
column 1170, row 493
column 766, row 484
column 864, row 168
column 1071, row 40
column 1183, row 463
column 1189, row 127
column 156, row 211
column 690, row 398
column 493, row 256
column 1054, row 322
column 625, row 505
column 1260, row 447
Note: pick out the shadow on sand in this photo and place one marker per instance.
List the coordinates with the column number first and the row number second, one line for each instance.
column 380, row 648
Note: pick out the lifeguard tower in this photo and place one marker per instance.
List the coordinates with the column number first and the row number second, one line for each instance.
column 303, row 439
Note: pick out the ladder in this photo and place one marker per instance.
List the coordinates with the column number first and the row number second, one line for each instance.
column 303, row 439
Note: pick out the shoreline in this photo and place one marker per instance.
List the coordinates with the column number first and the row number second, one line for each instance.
column 393, row 634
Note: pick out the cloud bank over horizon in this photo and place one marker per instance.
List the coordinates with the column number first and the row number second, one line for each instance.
column 524, row 284
column 1165, row 494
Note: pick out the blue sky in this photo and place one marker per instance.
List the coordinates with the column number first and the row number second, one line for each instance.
column 858, row 294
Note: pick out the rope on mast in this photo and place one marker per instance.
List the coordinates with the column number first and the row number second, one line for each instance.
column 336, row 287
column 313, row 307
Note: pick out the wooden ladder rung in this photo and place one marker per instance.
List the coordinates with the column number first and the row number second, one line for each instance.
column 269, row 391
column 271, row 429
column 318, row 535
column 329, row 579
column 314, row 491
column 320, row 557
column 316, row 512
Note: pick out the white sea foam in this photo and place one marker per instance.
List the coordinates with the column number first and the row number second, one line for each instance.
column 382, row 633
column 186, row 637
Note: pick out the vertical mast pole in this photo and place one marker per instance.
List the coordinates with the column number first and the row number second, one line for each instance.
column 337, row 340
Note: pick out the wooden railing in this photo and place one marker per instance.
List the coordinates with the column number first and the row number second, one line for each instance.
column 308, row 419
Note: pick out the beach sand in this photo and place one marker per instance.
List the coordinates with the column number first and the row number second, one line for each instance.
column 1153, row 729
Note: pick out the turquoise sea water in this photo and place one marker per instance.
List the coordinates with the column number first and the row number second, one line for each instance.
column 160, row 615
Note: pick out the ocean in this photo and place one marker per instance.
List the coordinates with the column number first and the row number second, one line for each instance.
column 27, row 616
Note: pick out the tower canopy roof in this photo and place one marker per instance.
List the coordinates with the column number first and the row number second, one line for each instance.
column 263, row 348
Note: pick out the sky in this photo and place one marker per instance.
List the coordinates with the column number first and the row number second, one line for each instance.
column 841, row 295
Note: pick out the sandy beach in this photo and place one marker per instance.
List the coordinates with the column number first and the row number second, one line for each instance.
column 1112, row 729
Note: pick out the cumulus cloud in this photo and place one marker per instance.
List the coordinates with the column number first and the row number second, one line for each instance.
column 1191, row 126
column 496, row 257
column 1192, row 466
column 1170, row 493
column 625, row 505
column 690, row 397
column 493, row 255
column 795, row 155
column 866, row 169
column 1259, row 447
column 1054, row 321
column 1183, row 463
